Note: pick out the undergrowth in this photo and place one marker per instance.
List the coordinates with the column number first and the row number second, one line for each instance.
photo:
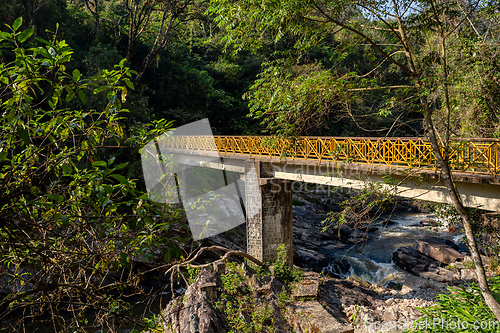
column 243, row 313
column 461, row 309
column 246, row 313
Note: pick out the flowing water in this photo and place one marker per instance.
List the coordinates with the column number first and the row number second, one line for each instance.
column 372, row 261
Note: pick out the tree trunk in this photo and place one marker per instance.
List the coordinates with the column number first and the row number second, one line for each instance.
column 457, row 202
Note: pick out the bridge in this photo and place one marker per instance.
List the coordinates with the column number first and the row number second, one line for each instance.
column 404, row 166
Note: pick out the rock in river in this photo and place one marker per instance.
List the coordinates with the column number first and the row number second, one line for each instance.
column 420, row 264
column 439, row 249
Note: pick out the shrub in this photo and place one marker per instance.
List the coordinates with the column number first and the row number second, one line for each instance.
column 283, row 270
column 460, row 309
column 236, row 302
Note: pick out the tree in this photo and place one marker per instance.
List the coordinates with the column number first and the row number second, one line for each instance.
column 72, row 224
column 408, row 26
column 157, row 21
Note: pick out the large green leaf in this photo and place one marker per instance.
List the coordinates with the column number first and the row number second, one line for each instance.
column 100, row 164
column 25, row 35
column 123, row 180
column 17, row 23
column 24, row 135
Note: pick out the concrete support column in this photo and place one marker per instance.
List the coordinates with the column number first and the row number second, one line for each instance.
column 269, row 213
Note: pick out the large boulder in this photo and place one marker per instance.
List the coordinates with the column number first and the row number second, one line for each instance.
column 193, row 312
column 413, row 261
column 442, row 250
column 305, row 257
column 422, row 265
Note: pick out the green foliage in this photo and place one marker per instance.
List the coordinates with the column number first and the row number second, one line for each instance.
column 364, row 206
column 451, row 215
column 283, row 269
column 284, row 298
column 461, row 305
column 234, row 281
column 70, row 216
column 260, row 271
column 318, row 72
column 192, row 274
column 236, row 301
column 291, row 99
column 151, row 325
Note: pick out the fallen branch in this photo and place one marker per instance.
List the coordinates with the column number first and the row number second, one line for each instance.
column 176, row 269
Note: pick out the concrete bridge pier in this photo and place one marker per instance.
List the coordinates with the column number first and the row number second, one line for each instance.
column 269, row 212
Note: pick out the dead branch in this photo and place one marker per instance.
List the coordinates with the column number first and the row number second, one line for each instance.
column 176, row 269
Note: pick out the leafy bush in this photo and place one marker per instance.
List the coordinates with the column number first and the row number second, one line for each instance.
column 234, row 281
column 283, row 270
column 236, row 300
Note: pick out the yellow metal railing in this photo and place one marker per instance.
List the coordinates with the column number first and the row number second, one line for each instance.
column 466, row 155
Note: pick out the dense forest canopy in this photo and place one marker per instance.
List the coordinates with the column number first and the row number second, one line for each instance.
column 84, row 84
column 320, row 73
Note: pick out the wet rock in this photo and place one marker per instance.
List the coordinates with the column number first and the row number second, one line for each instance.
column 345, row 233
column 329, row 234
column 337, row 268
column 303, row 210
column 413, row 261
column 440, row 249
column 463, row 248
column 309, row 236
column 394, row 285
column 358, row 236
column 332, row 245
column 429, row 223
column 305, row 257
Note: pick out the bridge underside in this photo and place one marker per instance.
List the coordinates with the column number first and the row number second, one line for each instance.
column 477, row 191
column 268, row 196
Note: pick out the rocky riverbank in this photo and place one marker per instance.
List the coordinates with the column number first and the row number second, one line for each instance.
column 338, row 304
column 328, row 305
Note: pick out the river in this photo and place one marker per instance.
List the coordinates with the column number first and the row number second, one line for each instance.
column 372, row 261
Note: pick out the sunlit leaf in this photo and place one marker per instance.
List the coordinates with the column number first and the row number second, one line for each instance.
column 17, row 23
column 25, row 35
